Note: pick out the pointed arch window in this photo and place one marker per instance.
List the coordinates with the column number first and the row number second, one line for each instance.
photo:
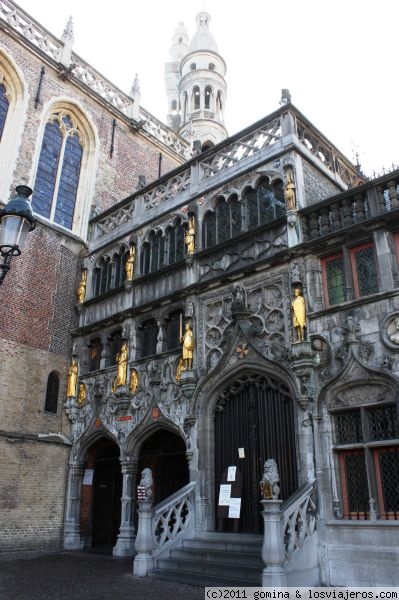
column 208, row 96
column 265, row 203
column 209, row 230
column 58, row 172
column 4, row 104
column 53, row 385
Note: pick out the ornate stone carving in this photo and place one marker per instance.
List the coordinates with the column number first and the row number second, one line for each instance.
column 145, row 491
column 269, row 487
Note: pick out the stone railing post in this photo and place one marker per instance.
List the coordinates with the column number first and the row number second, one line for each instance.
column 125, row 544
column 72, row 539
column 273, row 551
column 143, row 561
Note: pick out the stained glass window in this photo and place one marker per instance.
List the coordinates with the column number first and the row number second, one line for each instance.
column 3, row 108
column 58, row 172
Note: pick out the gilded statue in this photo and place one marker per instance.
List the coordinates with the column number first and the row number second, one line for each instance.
column 121, row 371
column 129, row 266
column 81, row 290
column 134, row 381
column 290, row 191
column 72, row 378
column 188, row 347
column 179, row 370
column 299, row 314
column 81, row 394
column 190, row 236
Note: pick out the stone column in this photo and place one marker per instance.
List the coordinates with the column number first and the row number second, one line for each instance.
column 72, row 539
column 273, row 551
column 125, row 544
column 143, row 561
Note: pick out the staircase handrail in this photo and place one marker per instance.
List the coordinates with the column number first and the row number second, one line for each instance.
column 299, row 517
column 173, row 518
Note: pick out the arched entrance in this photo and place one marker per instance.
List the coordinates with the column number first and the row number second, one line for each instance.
column 165, row 453
column 254, row 418
column 101, row 496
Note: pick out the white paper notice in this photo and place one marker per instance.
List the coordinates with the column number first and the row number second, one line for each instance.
column 241, row 453
column 88, row 477
column 231, row 473
column 224, row 494
column 234, row 508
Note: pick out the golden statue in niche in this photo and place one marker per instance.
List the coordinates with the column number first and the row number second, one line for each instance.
column 81, row 394
column 81, row 290
column 190, row 236
column 188, row 347
column 290, row 191
column 299, row 314
column 134, row 381
column 72, row 378
column 121, row 371
column 179, row 370
column 129, row 266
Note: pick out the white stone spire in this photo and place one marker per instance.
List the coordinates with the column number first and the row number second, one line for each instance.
column 135, row 94
column 68, row 31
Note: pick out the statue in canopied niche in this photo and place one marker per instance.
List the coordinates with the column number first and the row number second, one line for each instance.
column 129, row 266
column 188, row 346
column 290, row 190
column 81, row 290
column 121, row 371
column 299, row 314
column 190, row 237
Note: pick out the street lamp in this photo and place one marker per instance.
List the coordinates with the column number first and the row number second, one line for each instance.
column 16, row 221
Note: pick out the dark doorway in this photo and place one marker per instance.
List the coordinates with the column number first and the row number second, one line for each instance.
column 101, row 501
column 165, row 453
column 255, row 413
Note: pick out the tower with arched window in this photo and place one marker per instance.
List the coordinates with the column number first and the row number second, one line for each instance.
column 195, row 85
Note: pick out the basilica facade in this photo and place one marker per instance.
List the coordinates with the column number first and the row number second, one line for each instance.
column 222, row 317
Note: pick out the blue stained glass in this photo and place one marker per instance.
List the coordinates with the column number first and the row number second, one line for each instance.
column 47, row 170
column 3, row 108
column 69, row 181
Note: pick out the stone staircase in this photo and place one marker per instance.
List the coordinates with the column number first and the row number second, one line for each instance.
column 214, row 559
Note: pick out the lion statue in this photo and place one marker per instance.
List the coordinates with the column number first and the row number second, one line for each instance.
column 146, row 484
column 268, row 486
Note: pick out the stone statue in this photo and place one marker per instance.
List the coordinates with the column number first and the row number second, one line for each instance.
column 299, row 314
column 146, row 484
column 190, row 237
column 129, row 266
column 394, row 337
column 81, row 291
column 239, row 296
column 290, row 191
column 134, row 381
column 188, row 347
column 81, row 394
column 268, row 486
column 121, row 371
column 72, row 378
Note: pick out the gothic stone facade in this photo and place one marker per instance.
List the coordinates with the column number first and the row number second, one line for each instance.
column 275, row 208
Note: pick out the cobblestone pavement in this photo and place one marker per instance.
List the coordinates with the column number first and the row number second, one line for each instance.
column 82, row 576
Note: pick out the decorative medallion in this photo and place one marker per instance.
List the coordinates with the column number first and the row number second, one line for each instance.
column 242, row 350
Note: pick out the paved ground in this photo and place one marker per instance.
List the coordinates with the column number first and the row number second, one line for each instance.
column 82, row 576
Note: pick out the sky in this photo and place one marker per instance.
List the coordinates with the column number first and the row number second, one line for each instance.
column 338, row 59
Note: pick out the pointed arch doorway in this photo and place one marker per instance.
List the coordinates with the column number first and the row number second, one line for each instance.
column 164, row 452
column 254, row 418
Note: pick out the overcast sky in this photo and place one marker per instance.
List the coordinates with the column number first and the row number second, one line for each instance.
column 338, row 59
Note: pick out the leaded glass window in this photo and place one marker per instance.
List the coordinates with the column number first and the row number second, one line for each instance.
column 223, row 221
column 209, row 230
column 366, row 272
column 51, row 402
column 369, row 435
column 173, row 330
column 235, row 216
column 145, row 258
column 95, row 350
column 335, row 279
column 4, row 104
column 58, row 172
column 114, row 345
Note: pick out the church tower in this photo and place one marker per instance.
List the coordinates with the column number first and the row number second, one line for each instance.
column 195, row 85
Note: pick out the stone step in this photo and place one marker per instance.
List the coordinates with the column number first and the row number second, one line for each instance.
column 209, row 567
column 205, row 580
column 210, row 554
column 228, row 545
